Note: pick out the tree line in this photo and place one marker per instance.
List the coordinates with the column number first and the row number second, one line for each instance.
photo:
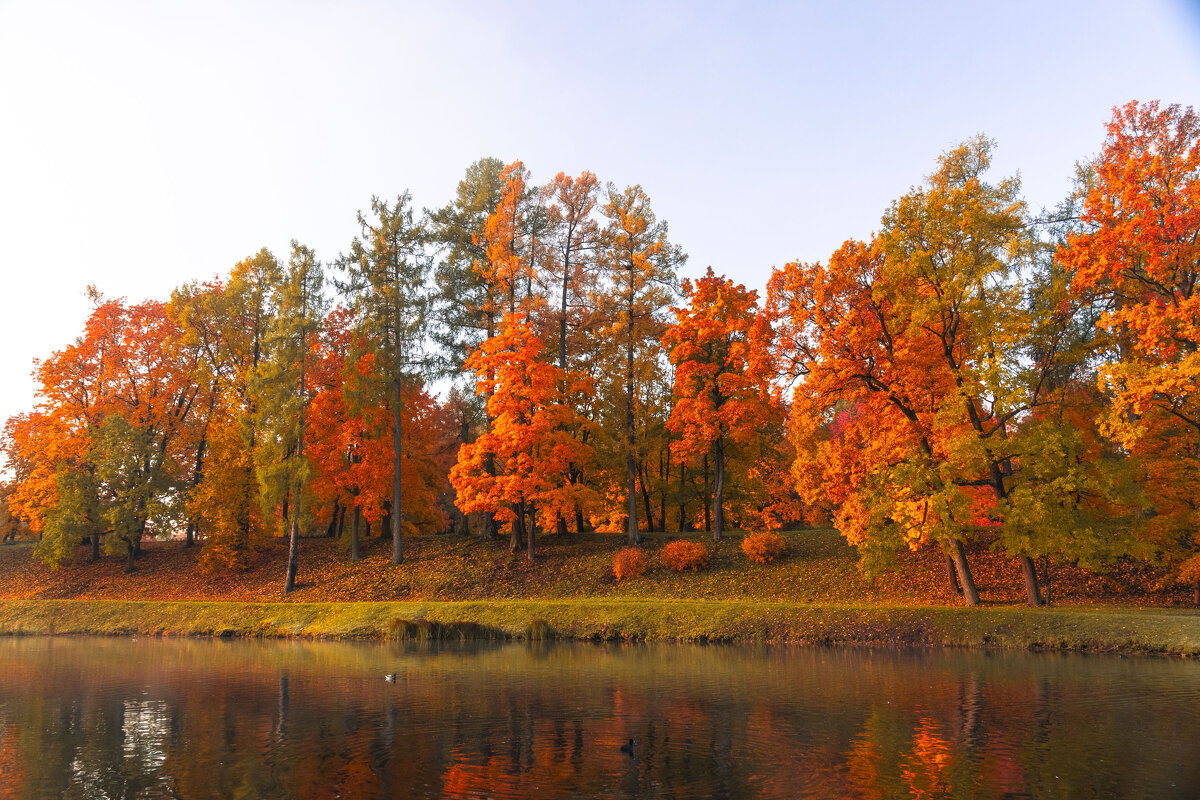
column 972, row 372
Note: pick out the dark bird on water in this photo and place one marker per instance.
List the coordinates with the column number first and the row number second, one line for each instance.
column 390, row 678
column 627, row 748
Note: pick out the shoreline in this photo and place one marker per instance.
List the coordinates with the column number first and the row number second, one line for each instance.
column 1122, row 630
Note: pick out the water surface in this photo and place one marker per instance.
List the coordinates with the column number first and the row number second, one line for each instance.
column 149, row 718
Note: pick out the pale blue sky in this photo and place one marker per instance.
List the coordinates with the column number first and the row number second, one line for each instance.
column 145, row 144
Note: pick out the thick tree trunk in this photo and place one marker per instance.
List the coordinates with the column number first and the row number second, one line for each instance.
column 560, row 526
column 580, row 522
column 398, row 444
column 1196, row 591
column 190, row 534
column 1033, row 595
column 719, row 490
column 129, row 567
column 95, row 547
column 970, row 594
column 951, row 577
column 354, row 533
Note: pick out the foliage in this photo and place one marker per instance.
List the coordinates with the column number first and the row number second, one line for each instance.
column 684, row 555
column 763, row 546
column 630, row 562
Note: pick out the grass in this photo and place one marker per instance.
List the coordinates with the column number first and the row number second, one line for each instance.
column 1153, row 630
column 462, row 588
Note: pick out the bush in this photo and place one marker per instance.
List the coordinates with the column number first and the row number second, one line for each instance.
column 763, row 546
column 684, row 555
column 630, row 562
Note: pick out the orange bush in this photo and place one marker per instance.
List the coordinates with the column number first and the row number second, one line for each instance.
column 630, row 562
column 763, row 546
column 684, row 555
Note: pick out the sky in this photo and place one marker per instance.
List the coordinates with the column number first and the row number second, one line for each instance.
column 143, row 145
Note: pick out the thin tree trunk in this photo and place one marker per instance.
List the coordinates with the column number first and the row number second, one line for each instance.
column 530, row 532
column 719, row 491
column 293, row 553
column 398, row 444
column 970, row 594
column 517, row 531
column 197, row 476
column 354, row 533
column 630, row 431
column 646, row 499
column 1033, row 595
column 95, row 547
column 1196, row 591
column 1046, row 577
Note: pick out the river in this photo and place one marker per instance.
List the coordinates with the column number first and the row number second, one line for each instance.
column 150, row 718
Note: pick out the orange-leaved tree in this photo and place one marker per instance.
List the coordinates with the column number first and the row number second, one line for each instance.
column 1140, row 252
column 722, row 374
column 519, row 470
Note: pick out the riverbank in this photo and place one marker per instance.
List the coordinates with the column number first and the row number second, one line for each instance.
column 1103, row 629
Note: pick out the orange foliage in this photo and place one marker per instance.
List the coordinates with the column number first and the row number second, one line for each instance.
column 630, row 562
column 763, row 546
column 684, row 555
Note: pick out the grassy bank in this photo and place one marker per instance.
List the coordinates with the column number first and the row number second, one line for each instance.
column 1099, row 629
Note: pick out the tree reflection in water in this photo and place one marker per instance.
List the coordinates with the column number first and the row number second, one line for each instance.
column 92, row 718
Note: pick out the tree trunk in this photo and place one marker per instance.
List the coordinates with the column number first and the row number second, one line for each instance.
column 293, row 553
column 517, row 527
column 1046, row 577
column 1033, row 595
column 560, row 526
column 130, row 552
column 354, row 533
column 719, row 491
column 95, row 547
column 198, row 475
column 707, row 498
column 630, row 434
column 398, row 444
column 530, row 532
column 646, row 499
column 951, row 578
column 579, row 520
column 1196, row 591
column 970, row 594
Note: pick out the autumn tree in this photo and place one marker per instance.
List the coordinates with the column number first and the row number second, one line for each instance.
column 385, row 284
column 1140, row 252
column 722, row 374
column 284, row 390
column 640, row 266
column 228, row 322
column 519, row 470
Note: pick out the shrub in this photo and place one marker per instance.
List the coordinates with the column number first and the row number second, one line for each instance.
column 630, row 562
column 684, row 555
column 763, row 546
